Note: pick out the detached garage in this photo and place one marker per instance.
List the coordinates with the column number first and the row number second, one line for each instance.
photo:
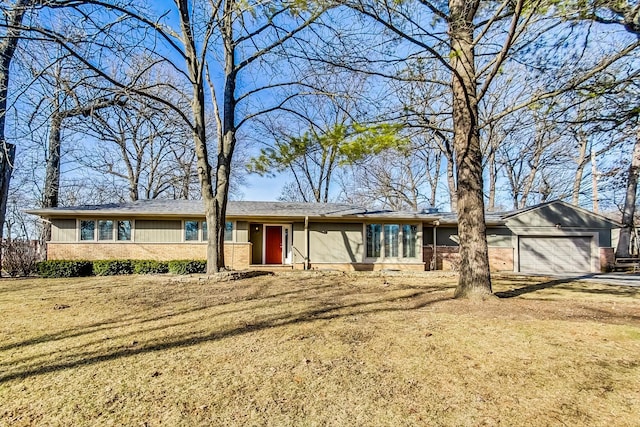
column 557, row 237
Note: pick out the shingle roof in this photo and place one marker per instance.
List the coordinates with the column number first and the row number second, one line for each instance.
column 234, row 209
column 237, row 209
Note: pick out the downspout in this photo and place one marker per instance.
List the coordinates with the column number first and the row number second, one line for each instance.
column 434, row 262
column 306, row 242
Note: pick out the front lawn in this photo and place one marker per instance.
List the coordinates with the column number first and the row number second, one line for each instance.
column 316, row 349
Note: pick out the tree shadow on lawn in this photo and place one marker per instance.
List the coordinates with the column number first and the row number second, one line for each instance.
column 317, row 310
column 112, row 324
column 121, row 321
column 590, row 288
column 539, row 286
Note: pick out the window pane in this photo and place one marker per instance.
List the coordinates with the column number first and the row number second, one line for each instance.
column 105, row 230
column 373, row 240
column 205, row 231
column 286, row 242
column 409, row 236
column 228, row 231
column 124, row 230
column 191, row 230
column 87, row 230
column 391, row 239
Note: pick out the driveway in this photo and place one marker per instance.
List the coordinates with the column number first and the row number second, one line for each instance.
column 619, row 279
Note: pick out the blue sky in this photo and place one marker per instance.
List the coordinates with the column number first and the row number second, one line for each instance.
column 260, row 188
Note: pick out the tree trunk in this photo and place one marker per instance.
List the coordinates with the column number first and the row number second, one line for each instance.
column 577, row 181
column 434, row 181
column 227, row 145
column 195, row 68
column 52, row 173
column 491, row 164
column 622, row 250
column 451, row 182
column 7, row 159
column 474, row 281
column 8, row 46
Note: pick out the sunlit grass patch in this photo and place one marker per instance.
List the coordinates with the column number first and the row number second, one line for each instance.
column 316, row 349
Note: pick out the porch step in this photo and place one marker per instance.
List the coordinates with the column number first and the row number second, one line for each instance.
column 627, row 264
column 271, row 267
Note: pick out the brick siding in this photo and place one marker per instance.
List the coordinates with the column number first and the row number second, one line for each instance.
column 361, row 266
column 447, row 258
column 607, row 258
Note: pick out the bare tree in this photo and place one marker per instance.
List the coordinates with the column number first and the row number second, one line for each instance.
column 234, row 35
column 397, row 179
column 12, row 15
column 141, row 145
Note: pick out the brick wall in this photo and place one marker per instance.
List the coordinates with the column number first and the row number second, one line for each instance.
column 501, row 259
column 447, row 258
column 361, row 266
column 607, row 258
column 236, row 255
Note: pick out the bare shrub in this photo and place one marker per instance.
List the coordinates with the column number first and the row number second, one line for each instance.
column 19, row 257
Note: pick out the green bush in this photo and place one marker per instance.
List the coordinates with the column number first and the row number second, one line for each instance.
column 145, row 266
column 63, row 268
column 186, row 266
column 112, row 267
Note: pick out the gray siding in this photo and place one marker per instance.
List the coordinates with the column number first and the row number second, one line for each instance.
column 242, row 231
column 158, row 231
column 63, row 230
column 448, row 236
column 332, row 242
column 445, row 236
column 560, row 217
column 557, row 213
column 298, row 242
column 500, row 237
column 255, row 237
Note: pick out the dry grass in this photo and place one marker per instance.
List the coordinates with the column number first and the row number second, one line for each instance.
column 317, row 349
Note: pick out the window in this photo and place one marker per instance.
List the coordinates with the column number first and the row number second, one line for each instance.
column 87, row 230
column 105, row 230
column 391, row 239
column 383, row 241
column 228, row 231
column 374, row 232
column 191, row 230
column 124, row 230
column 409, row 239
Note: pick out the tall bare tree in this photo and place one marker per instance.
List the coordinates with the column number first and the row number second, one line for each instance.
column 12, row 14
column 194, row 38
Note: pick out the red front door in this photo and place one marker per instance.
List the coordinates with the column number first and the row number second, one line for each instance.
column 273, row 246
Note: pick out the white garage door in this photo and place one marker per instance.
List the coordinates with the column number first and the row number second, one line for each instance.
column 555, row 254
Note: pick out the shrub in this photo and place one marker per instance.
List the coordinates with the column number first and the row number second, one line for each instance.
column 19, row 257
column 62, row 268
column 186, row 266
column 112, row 267
column 145, row 266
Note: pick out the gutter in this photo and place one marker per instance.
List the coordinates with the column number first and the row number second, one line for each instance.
column 434, row 258
column 306, row 242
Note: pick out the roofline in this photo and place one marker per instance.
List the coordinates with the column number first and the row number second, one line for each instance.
column 562, row 202
column 47, row 213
